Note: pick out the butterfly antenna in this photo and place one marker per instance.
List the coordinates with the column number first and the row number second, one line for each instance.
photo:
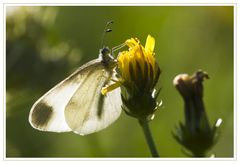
column 106, row 30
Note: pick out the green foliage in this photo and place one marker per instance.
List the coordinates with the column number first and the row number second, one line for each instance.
column 46, row 44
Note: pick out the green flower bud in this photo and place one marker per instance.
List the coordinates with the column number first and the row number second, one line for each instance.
column 196, row 134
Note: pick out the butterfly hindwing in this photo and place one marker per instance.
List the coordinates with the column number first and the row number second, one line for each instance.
column 88, row 110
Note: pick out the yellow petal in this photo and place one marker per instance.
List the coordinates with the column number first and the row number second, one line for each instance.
column 140, row 58
column 121, row 59
column 123, row 63
column 132, row 42
column 150, row 44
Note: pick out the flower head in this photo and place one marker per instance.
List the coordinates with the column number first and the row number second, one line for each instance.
column 196, row 134
column 138, row 66
column 138, row 74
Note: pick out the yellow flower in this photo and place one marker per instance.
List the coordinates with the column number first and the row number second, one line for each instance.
column 138, row 74
column 137, row 66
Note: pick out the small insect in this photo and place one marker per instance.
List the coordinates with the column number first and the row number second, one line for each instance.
column 76, row 104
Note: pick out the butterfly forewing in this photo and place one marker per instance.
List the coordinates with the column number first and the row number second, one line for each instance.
column 47, row 113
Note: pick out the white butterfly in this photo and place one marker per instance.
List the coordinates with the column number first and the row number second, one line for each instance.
column 76, row 104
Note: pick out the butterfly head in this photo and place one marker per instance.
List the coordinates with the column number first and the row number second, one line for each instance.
column 106, row 57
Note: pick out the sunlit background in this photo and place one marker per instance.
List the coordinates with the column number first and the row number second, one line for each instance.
column 45, row 44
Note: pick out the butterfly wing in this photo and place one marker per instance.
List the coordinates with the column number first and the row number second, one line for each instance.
column 47, row 114
column 88, row 111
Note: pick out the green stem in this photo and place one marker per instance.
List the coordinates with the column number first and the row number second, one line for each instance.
column 199, row 154
column 149, row 138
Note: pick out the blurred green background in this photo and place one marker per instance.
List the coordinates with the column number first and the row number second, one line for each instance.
column 45, row 44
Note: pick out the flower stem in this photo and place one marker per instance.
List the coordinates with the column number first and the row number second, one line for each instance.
column 199, row 154
column 149, row 138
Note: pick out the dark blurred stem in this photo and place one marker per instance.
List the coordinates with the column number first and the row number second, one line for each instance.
column 199, row 154
column 148, row 137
